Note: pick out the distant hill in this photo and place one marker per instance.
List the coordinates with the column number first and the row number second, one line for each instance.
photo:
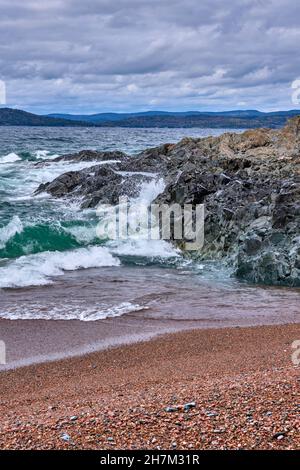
column 110, row 117
column 201, row 121
column 230, row 119
column 17, row 117
column 243, row 119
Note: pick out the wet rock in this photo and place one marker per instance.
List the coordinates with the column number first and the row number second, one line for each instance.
column 94, row 185
column 171, row 409
column 189, row 406
column 65, row 437
column 211, row 414
column 252, row 244
column 62, row 185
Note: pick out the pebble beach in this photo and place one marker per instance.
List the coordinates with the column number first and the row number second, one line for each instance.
column 229, row 388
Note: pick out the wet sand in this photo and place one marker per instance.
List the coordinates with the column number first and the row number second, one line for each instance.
column 35, row 341
column 242, row 380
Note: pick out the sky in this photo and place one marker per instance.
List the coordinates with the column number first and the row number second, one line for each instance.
column 89, row 56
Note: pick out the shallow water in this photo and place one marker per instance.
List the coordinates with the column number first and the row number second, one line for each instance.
column 208, row 297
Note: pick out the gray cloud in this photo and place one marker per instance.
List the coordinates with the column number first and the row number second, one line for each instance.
column 125, row 55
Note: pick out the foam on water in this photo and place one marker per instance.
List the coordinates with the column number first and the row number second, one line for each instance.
column 82, row 233
column 69, row 312
column 151, row 249
column 149, row 191
column 10, row 158
column 138, row 244
column 44, row 154
column 38, row 269
column 27, row 176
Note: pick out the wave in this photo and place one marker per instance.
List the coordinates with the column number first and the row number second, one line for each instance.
column 64, row 238
column 69, row 312
column 36, row 238
column 115, row 311
column 38, row 269
column 14, row 227
column 44, row 154
column 10, row 158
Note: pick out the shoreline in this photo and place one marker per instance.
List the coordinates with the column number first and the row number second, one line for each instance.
column 75, row 338
column 242, row 380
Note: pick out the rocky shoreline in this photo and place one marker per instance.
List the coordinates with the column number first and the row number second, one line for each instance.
column 248, row 182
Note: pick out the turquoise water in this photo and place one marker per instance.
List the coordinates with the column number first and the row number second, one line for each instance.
column 34, row 228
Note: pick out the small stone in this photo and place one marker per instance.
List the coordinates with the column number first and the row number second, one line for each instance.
column 190, row 405
column 65, row 437
column 171, row 409
column 279, row 435
column 73, row 418
column 211, row 413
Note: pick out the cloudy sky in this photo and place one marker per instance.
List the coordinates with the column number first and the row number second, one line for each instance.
column 130, row 55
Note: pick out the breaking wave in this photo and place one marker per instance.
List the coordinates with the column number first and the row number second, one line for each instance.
column 10, row 158
column 38, row 269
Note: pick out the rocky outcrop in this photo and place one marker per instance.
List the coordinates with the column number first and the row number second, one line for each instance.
column 94, row 185
column 249, row 183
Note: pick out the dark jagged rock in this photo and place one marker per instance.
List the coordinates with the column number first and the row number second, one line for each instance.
column 94, row 185
column 249, row 183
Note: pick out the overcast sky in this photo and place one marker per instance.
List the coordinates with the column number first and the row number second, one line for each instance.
column 130, row 55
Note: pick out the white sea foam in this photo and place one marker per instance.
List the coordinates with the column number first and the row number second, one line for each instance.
column 44, row 154
column 10, row 230
column 82, row 233
column 36, row 311
column 138, row 244
column 110, row 312
column 10, row 158
column 42, row 195
column 38, row 269
column 145, row 248
column 149, row 191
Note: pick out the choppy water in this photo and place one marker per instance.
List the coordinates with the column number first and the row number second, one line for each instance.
column 53, row 266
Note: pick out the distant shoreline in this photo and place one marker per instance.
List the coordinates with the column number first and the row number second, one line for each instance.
column 158, row 119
